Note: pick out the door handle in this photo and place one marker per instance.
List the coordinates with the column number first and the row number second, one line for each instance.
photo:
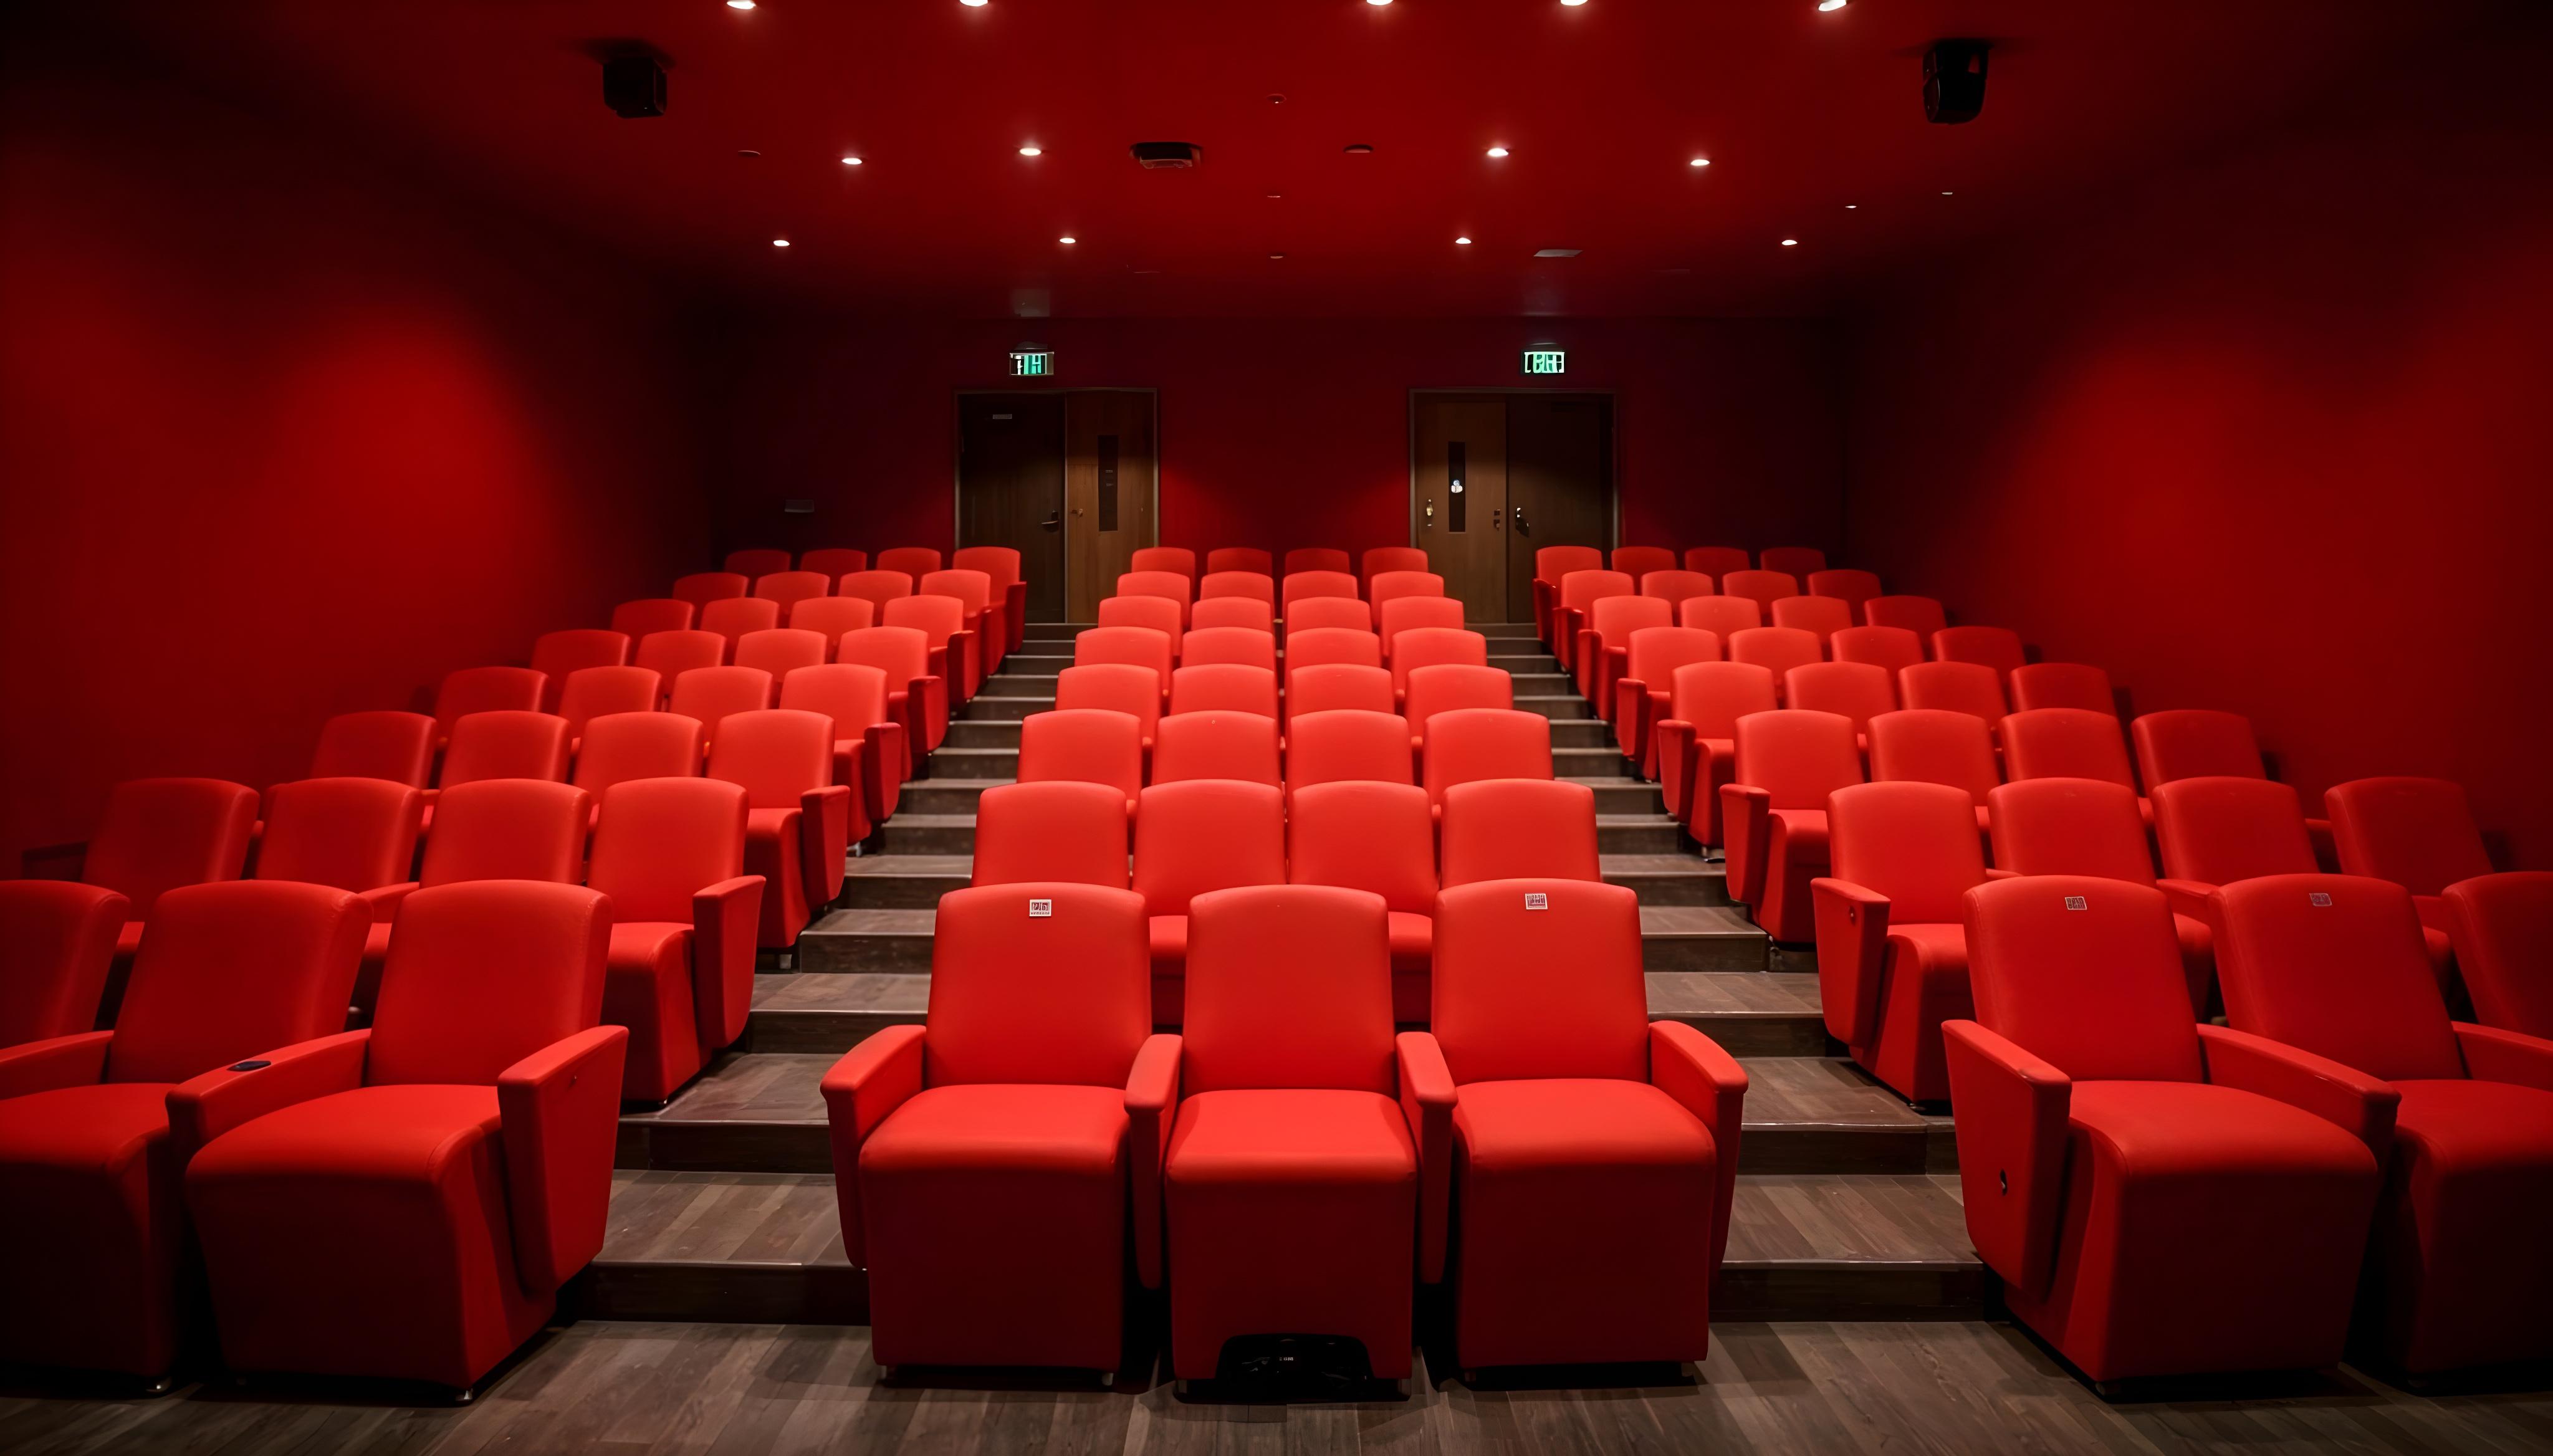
column 1055, row 522
column 1524, row 528
column 1427, row 522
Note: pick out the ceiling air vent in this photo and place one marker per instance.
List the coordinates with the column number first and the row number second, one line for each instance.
column 1177, row 156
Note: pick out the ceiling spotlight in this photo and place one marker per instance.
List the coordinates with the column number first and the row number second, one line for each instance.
column 1462, row 242
column 851, row 161
column 1573, row 2
column 739, row 4
column 1498, row 151
column 1067, row 239
column 975, row 4
column 1822, row 4
column 1790, row 242
column 1032, row 150
column 1699, row 161
column 1945, row 194
column 1369, row 2
column 776, row 242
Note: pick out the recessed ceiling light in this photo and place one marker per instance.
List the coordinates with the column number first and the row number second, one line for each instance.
column 1945, row 194
column 1822, row 4
column 1369, row 2
column 1498, row 151
column 1852, row 207
column 747, row 152
column 975, row 4
column 739, row 4
column 1359, row 149
column 1462, row 242
column 851, row 161
column 1555, row 251
column 1372, row 2
column 1067, row 239
column 1699, row 161
column 1032, row 150
column 1790, row 242
column 1573, row 2
column 777, row 242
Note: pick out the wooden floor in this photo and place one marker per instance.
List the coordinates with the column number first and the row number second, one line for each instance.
column 749, row 1390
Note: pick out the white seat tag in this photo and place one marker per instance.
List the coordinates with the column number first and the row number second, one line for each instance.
column 1536, row 900
column 2077, row 902
column 1041, row 908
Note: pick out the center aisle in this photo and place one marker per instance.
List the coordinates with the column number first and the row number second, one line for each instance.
column 1847, row 1203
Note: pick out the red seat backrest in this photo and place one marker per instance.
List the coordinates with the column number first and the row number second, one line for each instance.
column 1347, row 743
column 1470, row 744
column 379, row 745
column 1798, row 757
column 227, row 971
column 1920, row 615
column 1916, row 844
column 659, row 842
column 1093, row 745
column 2085, row 974
column 1229, row 686
column 733, row 616
column 1216, row 744
column 2417, row 833
column 2218, row 831
column 2063, row 685
column 2335, row 965
column 482, row 976
column 1206, row 834
column 1240, row 558
column 2065, row 743
column 1120, row 687
column 159, row 834
column 1059, row 998
column 1519, row 829
column 777, row 753
column 1550, row 990
column 507, row 830
column 1060, row 830
column 1289, row 986
column 2081, row 826
column 352, row 834
column 1934, row 746
column 639, row 745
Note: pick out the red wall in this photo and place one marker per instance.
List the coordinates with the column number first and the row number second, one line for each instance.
column 284, row 434
column 2270, row 433
column 1279, row 432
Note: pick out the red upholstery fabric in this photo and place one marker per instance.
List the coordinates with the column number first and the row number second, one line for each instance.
column 2085, row 827
column 876, row 586
column 1227, row 687
column 1932, row 745
column 1305, row 584
column 1437, row 646
column 506, row 745
column 1233, row 645
column 1989, row 646
column 1060, row 830
column 1291, row 1179
column 1361, row 835
column 1856, row 690
column 2066, row 743
column 1178, row 559
column 942, row 621
column 1251, row 584
column 1891, row 647
column 1249, row 611
column 1141, row 646
column 1697, row 738
column 556, row 654
column 507, row 828
column 1550, row 564
column 487, row 690
column 354, row 834
column 637, row 745
column 670, row 852
column 872, row 751
column 1323, row 685
column 2417, row 833
column 1190, row 838
column 1956, row 687
column 1850, row 586
column 399, row 746
column 1673, row 587
column 159, row 834
column 1763, row 588
column 733, row 616
column 595, row 692
column 91, row 1222
column 644, row 615
column 1891, row 952
column 1823, row 616
column 789, row 587
column 1119, row 687
column 801, row 823
column 1337, row 612
column 1644, row 694
column 1383, row 588
column 1347, row 743
column 1639, row 561
column 1405, row 613
column 2334, row 965
column 1607, row 645
column 671, row 654
column 1776, row 649
column 2193, row 742
column 1519, row 829
column 1379, row 559
column 1773, row 812
column 704, row 587
column 57, row 941
column 2503, row 932
column 1723, row 616
column 715, row 694
column 916, row 562
column 1573, row 606
column 1501, row 1011
column 1445, row 687
column 1091, row 746
column 1470, row 744
column 831, row 616
column 781, row 650
column 1163, row 614
column 1001, row 565
column 915, row 692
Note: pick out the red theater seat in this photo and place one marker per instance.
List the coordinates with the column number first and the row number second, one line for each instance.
column 1773, row 812
column 871, row 751
column 1240, row 558
column 2459, row 1273
column 1468, row 743
column 596, row 692
column 1394, row 585
column 757, row 563
column 1639, row 561
column 505, row 745
column 1088, row 745
column 1891, row 647
column 670, row 852
column 1589, row 1155
column 671, row 654
column 2067, row 743
column 789, row 587
column 1519, row 829
column 1550, row 564
column 1573, row 611
column 159, row 834
column 1851, row 587
column 1856, row 690
column 1674, row 587
column 1160, row 614
column 1930, row 745
column 490, row 829
column 1214, row 646
column 955, row 648
column 1697, row 737
column 1173, row 586
column 712, row 695
column 985, row 1162
column 1307, row 584
column 1311, row 646
column 1218, row 744
column 2502, row 926
column 802, row 824
column 1379, row 559
column 1955, row 687
column 1178, row 559
column 1763, row 588
column 350, row 833
column 1366, row 834
column 1224, row 687
column 1116, row 687
column 1250, row 586
column 2063, row 685
column 875, row 587
column 90, row 1167
column 1059, row 831
column 1990, row 647
column 1217, row 614
column 1892, row 954
column 1716, row 561
column 57, row 944
column 1190, row 838
column 2215, row 831
column 2417, row 833
column 1776, row 649
column 2105, row 1141
column 1328, row 613
column 1449, row 686
column 556, row 654
column 2089, row 826
column 733, row 616
column 1318, row 559
column 1643, row 695
column 1824, row 616
column 486, row 690
column 1291, row 1179
column 620, row 747
column 835, row 562
column 397, row 746
column 1920, row 615
column 1798, row 561
column 1001, row 567
column 1604, row 648
column 1141, row 646
column 636, row 618
column 1323, row 685
column 406, row 1202
column 781, row 650
column 1436, row 646
column 831, row 617
column 915, row 693
column 702, row 588
column 1721, row 616
column 915, row 562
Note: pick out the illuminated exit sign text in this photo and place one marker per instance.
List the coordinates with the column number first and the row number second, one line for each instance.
column 1031, row 362
column 1546, row 361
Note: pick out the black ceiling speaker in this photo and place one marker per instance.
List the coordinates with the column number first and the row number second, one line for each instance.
column 633, row 85
column 1175, row 156
column 1954, row 81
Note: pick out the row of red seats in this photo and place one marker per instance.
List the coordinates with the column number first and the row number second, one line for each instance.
column 1783, row 569
column 1108, row 745
column 1287, row 1164
column 402, row 1202
column 845, row 571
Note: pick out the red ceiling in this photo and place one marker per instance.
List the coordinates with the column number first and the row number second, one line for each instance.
column 1801, row 112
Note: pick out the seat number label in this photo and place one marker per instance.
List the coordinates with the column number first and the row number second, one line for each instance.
column 2077, row 902
column 2318, row 898
column 1041, row 908
column 1536, row 900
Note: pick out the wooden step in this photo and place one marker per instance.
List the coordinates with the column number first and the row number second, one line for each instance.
column 1555, row 706
column 763, row 1112
column 1750, row 1013
column 1049, row 631
column 955, row 833
column 916, row 881
column 766, row 1248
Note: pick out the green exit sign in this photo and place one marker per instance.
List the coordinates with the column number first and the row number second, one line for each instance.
column 1546, row 361
column 1031, row 362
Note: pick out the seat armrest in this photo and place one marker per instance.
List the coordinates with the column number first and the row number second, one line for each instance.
column 968, row 648
column 1566, row 622
column 55, row 1063
column 2361, row 1105
column 1745, row 824
column 1993, row 873
column 2495, row 1056
column 2194, row 898
column 2325, row 846
column 1016, row 620
column 1703, row 1079
column 935, row 713
column 1427, row 1102
column 2011, row 1128
column 203, row 1108
column 886, row 761
column 871, row 1080
column 1151, row 1105
column 1679, row 751
column 825, row 824
column 1630, row 713
column 385, row 902
column 1853, row 950
column 1611, row 665
column 559, row 1109
column 726, row 919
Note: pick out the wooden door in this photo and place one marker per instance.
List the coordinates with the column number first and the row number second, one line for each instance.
column 1560, row 481
column 1108, row 488
column 1010, row 487
column 1459, row 468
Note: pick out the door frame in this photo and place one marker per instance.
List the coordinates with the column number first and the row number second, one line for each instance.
column 957, row 455
column 1613, row 453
